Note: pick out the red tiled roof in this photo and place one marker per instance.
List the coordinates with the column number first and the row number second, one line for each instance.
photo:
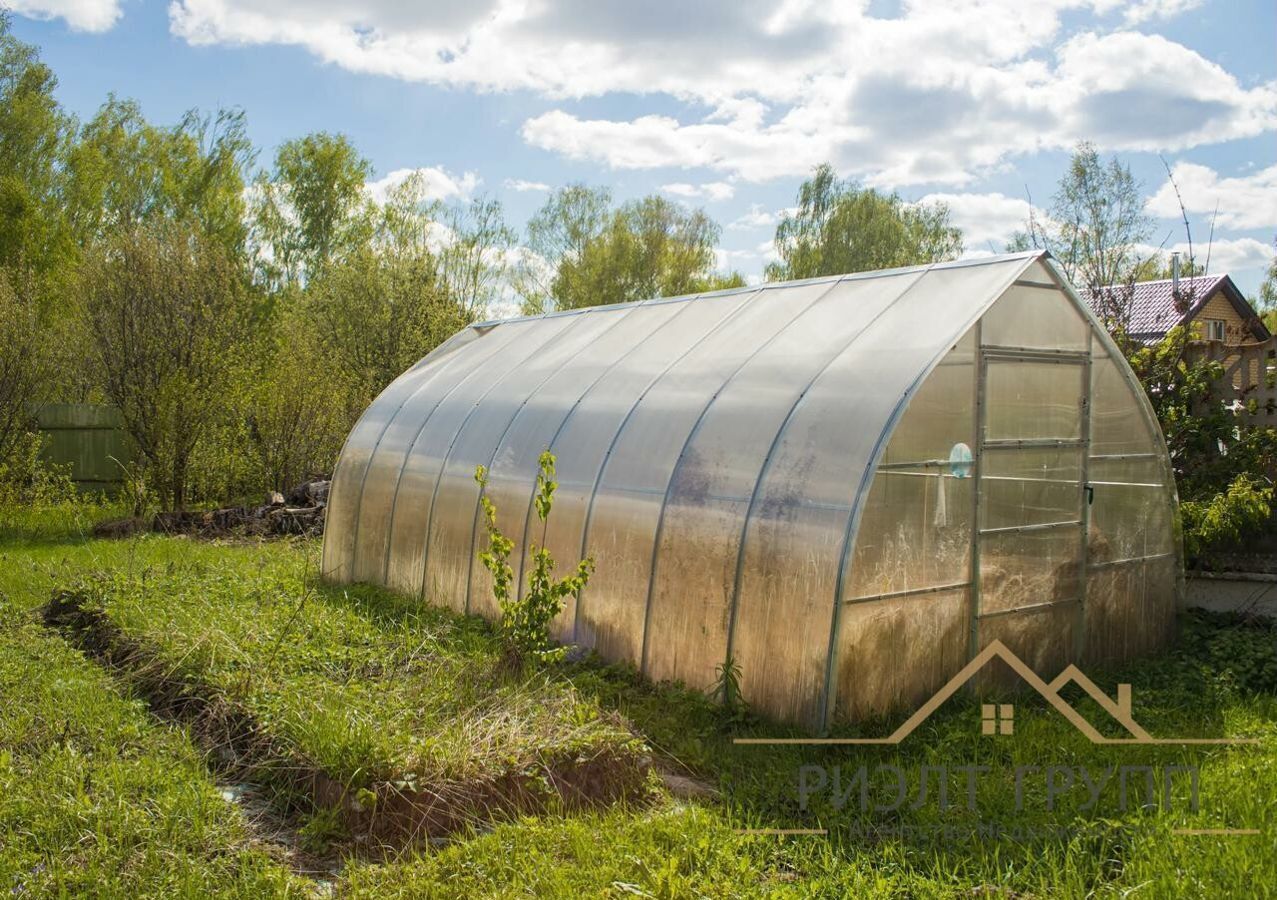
column 1153, row 309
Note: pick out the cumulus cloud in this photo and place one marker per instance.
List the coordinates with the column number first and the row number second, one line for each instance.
column 1227, row 255
column 1232, row 255
column 938, row 93
column 437, row 183
column 522, row 186
column 1144, row 10
column 712, row 191
column 987, row 220
column 1245, row 202
column 81, row 15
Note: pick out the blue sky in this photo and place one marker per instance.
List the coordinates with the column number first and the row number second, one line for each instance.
column 727, row 103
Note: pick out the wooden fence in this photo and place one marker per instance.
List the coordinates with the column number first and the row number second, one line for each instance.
column 1249, row 379
column 89, row 438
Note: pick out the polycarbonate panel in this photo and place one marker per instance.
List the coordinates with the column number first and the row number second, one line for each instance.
column 632, row 489
column 798, row 532
column 1034, row 317
column 1032, row 400
column 454, row 509
column 372, row 524
column 1025, row 568
column 709, row 492
column 1036, row 272
column 1043, row 638
column 514, row 466
column 345, row 494
column 582, row 447
column 1030, row 486
column 1130, row 609
column 1117, row 425
column 915, row 532
column 416, row 486
column 915, row 528
column 941, row 414
column 1130, row 515
column 895, row 653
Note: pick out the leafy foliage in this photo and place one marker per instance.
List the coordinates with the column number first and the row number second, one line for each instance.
column 841, row 227
column 34, row 133
column 1096, row 223
column 27, row 478
column 1225, row 518
column 168, row 310
column 311, row 210
column 21, row 364
column 588, row 253
column 1224, row 495
column 525, row 621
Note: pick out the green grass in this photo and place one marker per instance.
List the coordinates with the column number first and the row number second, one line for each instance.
column 365, row 687
column 98, row 799
column 376, row 688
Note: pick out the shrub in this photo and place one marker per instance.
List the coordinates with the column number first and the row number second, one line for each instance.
column 525, row 621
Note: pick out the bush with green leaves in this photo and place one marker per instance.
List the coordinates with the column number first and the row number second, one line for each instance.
column 525, row 621
column 28, row 479
column 1220, row 468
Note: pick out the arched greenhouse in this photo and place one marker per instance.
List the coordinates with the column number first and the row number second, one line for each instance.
column 846, row 485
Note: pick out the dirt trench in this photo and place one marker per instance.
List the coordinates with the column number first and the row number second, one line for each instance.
column 380, row 817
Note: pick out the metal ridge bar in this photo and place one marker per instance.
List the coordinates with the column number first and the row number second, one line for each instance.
column 912, row 592
column 1126, row 561
column 1043, row 526
column 1028, row 608
column 1032, row 443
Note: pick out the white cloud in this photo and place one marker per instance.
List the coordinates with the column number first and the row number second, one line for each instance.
column 712, row 191
column 987, row 220
column 1246, row 202
column 436, row 183
column 1227, row 255
column 1232, row 255
column 940, row 93
column 726, row 260
column 1145, row 10
column 81, row 15
column 522, row 186
column 757, row 217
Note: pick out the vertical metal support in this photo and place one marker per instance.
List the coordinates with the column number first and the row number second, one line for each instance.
column 977, row 469
column 1084, row 498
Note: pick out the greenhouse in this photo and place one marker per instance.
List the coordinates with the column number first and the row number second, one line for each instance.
column 846, row 486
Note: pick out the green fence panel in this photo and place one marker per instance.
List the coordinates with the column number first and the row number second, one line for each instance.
column 91, row 439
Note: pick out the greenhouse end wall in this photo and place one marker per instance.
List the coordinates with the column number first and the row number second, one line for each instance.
column 845, row 487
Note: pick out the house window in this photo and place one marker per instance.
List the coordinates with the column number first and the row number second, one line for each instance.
column 1214, row 329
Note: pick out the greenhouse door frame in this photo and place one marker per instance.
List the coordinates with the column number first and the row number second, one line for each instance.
column 1070, row 361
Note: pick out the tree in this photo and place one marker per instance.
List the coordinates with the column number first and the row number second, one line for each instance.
column 386, row 304
column 312, row 208
column 1096, row 223
column 33, row 136
column 841, row 227
column 169, row 314
column 125, row 172
column 474, row 248
column 20, row 362
column 588, row 253
column 1268, row 289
